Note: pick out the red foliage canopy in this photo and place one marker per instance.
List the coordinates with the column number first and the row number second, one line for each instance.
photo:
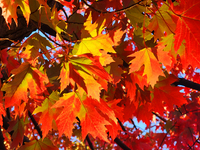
column 74, row 72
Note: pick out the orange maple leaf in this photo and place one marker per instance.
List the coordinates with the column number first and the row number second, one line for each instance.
column 93, row 115
column 48, row 114
column 133, row 79
column 26, row 78
column 84, row 70
column 152, row 68
column 93, row 122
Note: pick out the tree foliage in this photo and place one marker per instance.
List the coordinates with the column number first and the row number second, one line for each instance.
column 74, row 71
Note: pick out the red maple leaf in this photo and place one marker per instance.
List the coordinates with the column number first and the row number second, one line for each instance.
column 164, row 94
column 188, row 29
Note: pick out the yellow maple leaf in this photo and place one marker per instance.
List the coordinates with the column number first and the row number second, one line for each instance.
column 93, row 40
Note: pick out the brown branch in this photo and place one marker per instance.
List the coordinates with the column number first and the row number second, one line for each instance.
column 35, row 123
column 187, row 83
column 89, row 143
column 87, row 137
column 116, row 11
column 2, row 140
column 161, row 118
column 121, row 144
column 65, row 13
column 122, row 126
column 118, row 141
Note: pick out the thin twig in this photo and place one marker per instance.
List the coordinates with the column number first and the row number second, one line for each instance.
column 116, row 11
column 51, row 39
column 166, row 135
column 191, row 134
column 161, row 118
column 196, row 141
column 65, row 13
column 122, row 126
column 134, row 126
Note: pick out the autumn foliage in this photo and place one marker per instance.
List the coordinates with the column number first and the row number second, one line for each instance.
column 74, row 71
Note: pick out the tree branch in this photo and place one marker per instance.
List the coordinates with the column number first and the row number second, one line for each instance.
column 35, row 123
column 87, row 137
column 122, row 126
column 134, row 126
column 89, row 143
column 187, row 83
column 2, row 140
column 161, row 118
column 121, row 144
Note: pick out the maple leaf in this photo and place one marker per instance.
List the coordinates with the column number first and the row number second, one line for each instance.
column 25, row 78
column 39, row 145
column 9, row 9
column 82, row 70
column 144, row 109
column 166, row 47
column 114, row 70
column 105, row 59
column 67, row 117
column 166, row 95
column 135, row 14
column 152, row 67
column 48, row 114
column 32, row 46
column 164, row 57
column 133, row 79
column 188, row 28
column 93, row 40
column 89, row 112
column 92, row 122
column 117, row 109
column 162, row 22
column 17, row 126
column 92, row 85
